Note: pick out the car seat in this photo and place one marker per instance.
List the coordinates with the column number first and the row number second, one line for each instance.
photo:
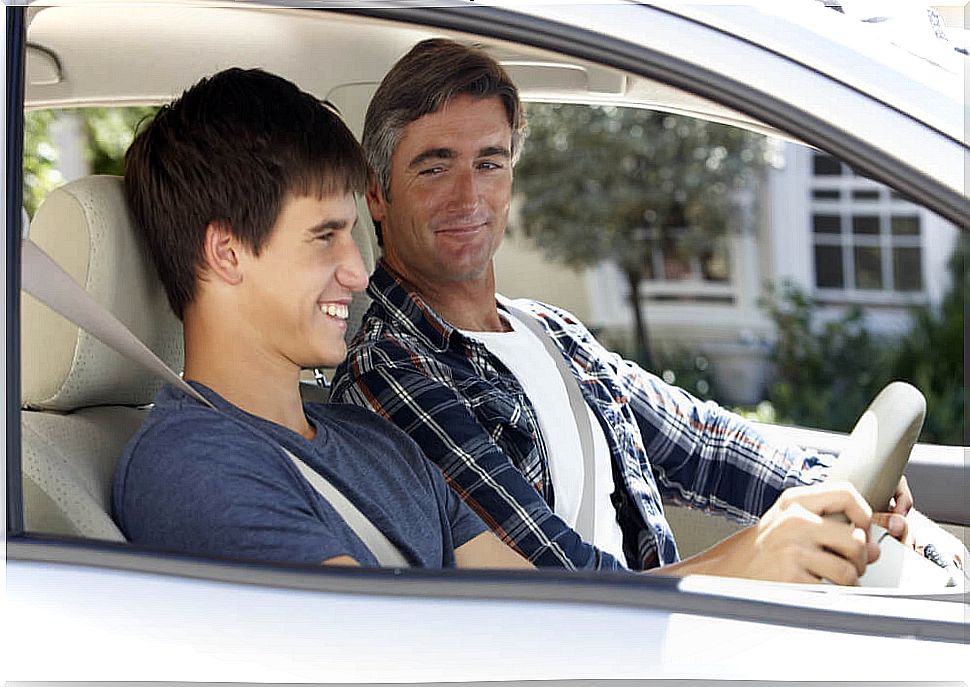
column 82, row 401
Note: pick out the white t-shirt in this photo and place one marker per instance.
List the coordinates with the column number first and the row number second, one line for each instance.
column 526, row 357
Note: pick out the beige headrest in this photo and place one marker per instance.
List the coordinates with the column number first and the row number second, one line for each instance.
column 86, row 228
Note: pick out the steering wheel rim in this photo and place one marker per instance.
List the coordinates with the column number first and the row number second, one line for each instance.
column 879, row 445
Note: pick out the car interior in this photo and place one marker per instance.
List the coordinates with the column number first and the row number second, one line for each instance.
column 81, row 401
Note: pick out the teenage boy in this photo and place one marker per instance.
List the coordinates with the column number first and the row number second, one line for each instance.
column 244, row 189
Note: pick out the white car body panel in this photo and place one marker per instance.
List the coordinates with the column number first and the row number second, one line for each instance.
column 188, row 630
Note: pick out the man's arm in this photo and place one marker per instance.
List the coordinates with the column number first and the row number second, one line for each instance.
column 487, row 551
column 344, row 561
column 388, row 381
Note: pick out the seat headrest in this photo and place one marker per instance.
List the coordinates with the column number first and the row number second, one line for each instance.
column 85, row 226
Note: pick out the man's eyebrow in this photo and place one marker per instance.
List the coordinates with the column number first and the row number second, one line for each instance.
column 493, row 151
column 431, row 154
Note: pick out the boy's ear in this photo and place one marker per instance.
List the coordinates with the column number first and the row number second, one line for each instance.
column 220, row 252
column 376, row 203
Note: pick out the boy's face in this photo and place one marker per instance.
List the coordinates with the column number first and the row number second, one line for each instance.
column 297, row 291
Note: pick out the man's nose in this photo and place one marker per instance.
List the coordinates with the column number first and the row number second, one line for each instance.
column 464, row 194
column 351, row 272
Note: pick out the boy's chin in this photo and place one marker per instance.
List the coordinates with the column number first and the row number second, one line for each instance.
column 328, row 359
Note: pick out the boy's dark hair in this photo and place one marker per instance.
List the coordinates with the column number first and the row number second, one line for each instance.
column 230, row 150
column 427, row 78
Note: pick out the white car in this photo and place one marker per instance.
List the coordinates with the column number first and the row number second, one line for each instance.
column 82, row 604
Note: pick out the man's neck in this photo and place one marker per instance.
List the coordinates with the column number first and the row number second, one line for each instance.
column 247, row 377
column 467, row 304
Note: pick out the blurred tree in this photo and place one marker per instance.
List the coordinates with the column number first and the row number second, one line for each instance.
column 107, row 133
column 824, row 376
column 40, row 159
column 605, row 183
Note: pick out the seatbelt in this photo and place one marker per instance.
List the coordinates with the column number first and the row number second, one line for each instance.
column 46, row 281
column 586, row 517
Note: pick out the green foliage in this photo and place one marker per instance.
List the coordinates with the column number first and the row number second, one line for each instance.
column 40, row 159
column 688, row 369
column 675, row 363
column 931, row 356
column 107, row 133
column 827, row 376
column 110, row 130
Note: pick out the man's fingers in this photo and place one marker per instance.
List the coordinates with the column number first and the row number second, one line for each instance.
column 831, row 567
column 903, row 500
column 831, row 498
column 894, row 523
column 846, row 541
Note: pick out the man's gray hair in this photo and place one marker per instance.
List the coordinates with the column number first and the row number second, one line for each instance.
column 433, row 73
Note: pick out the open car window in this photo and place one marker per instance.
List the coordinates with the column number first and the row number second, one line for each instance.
column 775, row 277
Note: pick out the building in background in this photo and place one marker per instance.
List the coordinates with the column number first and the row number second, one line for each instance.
column 839, row 237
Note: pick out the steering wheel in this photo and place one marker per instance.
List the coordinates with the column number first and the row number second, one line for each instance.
column 873, row 461
column 878, row 448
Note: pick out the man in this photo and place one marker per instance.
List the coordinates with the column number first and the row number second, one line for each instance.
column 244, row 191
column 466, row 377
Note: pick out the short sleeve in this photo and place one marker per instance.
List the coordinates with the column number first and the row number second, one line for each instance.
column 205, row 485
column 463, row 522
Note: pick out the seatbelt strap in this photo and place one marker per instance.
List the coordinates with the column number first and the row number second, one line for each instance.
column 46, row 281
column 387, row 555
column 586, row 517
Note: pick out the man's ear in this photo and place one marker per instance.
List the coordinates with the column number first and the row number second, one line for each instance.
column 376, row 202
column 220, row 253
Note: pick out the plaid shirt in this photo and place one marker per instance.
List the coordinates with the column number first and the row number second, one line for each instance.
column 471, row 417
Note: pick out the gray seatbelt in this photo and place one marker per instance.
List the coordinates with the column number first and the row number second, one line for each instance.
column 586, row 517
column 44, row 279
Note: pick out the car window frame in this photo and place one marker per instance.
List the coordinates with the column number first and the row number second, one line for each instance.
column 655, row 592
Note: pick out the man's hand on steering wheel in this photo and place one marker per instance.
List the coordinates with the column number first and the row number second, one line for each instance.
column 894, row 521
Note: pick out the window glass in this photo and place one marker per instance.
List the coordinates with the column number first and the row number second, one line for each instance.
column 827, row 224
column 828, row 267
column 868, row 267
column 748, row 253
column 865, row 224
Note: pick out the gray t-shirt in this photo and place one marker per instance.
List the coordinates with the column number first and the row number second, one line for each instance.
column 215, row 482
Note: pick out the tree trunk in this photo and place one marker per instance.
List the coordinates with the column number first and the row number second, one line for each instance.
column 641, row 339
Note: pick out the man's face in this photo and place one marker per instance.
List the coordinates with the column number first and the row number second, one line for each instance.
column 451, row 182
column 297, row 291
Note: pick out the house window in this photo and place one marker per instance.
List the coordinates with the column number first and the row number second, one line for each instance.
column 866, row 239
column 673, row 256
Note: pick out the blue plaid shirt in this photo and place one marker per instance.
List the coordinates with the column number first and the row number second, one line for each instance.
column 471, row 417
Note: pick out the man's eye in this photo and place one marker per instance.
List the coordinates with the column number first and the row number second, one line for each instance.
column 431, row 171
column 326, row 238
column 488, row 164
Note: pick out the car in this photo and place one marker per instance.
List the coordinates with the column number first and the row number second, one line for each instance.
column 83, row 604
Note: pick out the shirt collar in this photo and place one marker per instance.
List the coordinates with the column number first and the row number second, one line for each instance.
column 407, row 308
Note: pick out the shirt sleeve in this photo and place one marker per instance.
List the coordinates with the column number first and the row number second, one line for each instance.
column 200, row 484
column 707, row 457
column 393, row 383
